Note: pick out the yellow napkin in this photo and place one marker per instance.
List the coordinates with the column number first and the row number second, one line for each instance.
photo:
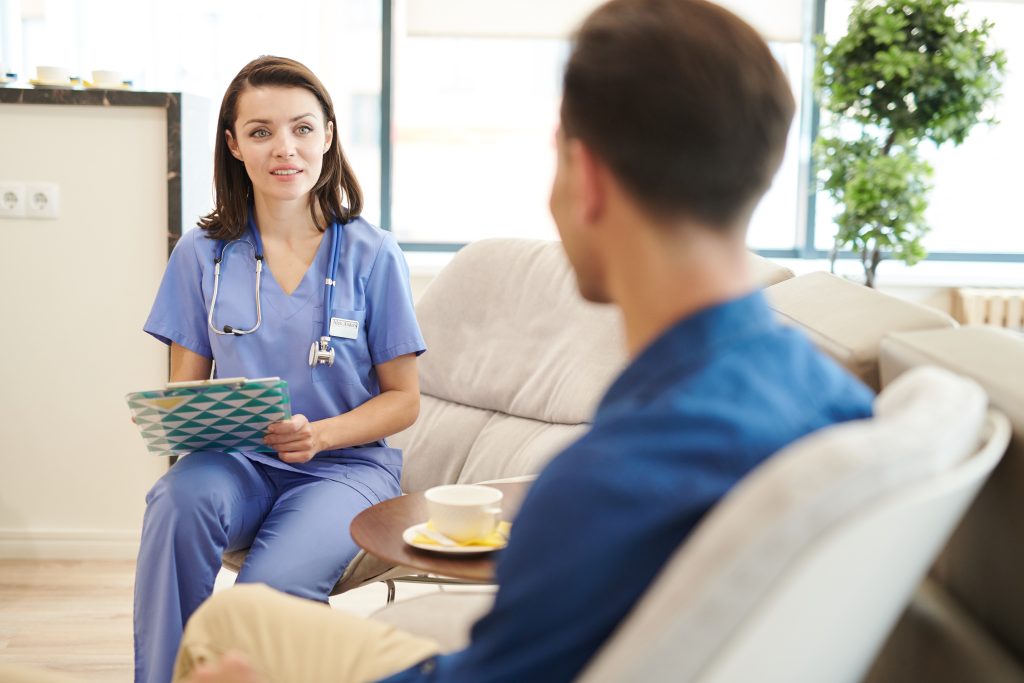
column 496, row 539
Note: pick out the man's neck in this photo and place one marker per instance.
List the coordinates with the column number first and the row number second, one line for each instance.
column 658, row 280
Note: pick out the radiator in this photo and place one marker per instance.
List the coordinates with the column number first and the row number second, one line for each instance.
column 1000, row 307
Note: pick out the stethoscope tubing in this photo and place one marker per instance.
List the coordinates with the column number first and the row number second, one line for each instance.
column 228, row 329
column 329, row 282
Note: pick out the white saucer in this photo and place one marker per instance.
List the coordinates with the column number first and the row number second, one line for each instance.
column 409, row 534
column 105, row 86
column 68, row 85
column 4, row 80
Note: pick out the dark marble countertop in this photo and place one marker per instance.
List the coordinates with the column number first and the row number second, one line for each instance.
column 116, row 97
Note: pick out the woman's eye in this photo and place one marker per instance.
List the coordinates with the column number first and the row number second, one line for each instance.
column 305, row 130
column 260, row 133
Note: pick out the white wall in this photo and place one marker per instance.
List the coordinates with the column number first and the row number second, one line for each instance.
column 74, row 293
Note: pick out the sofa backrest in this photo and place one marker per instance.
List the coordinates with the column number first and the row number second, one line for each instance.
column 515, row 366
column 847, row 320
column 516, row 363
column 983, row 564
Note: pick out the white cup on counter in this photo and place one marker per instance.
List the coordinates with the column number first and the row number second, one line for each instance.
column 464, row 512
column 54, row 75
column 107, row 77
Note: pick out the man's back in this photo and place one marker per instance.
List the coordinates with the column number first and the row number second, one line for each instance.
column 698, row 409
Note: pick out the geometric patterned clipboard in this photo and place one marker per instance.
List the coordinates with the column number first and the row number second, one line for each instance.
column 225, row 415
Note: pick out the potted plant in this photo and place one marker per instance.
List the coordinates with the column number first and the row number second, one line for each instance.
column 907, row 71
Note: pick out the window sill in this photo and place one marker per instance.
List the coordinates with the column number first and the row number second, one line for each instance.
column 924, row 274
column 427, row 264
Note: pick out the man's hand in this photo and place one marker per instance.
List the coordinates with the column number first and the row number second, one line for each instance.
column 295, row 440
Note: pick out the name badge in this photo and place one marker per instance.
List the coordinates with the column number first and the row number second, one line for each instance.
column 346, row 329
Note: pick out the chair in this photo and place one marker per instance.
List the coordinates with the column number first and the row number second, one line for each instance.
column 799, row 573
column 516, row 364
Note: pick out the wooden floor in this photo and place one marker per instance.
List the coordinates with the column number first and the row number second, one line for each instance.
column 68, row 615
column 75, row 616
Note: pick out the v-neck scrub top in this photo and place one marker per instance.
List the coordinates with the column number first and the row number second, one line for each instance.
column 372, row 289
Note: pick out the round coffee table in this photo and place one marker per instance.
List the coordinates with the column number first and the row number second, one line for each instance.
column 378, row 531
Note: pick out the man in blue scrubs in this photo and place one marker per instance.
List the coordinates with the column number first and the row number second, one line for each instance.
column 673, row 122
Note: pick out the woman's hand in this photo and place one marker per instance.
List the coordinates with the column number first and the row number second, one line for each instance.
column 295, row 440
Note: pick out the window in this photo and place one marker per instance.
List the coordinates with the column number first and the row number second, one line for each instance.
column 474, row 127
column 473, row 132
column 973, row 206
column 474, row 109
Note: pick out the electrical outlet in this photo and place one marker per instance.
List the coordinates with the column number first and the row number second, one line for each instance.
column 12, row 200
column 42, row 200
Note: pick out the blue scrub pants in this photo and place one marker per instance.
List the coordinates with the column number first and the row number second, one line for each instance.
column 295, row 525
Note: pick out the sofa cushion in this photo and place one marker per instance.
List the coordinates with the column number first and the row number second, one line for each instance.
column 847, row 320
column 516, row 366
column 766, row 273
column 983, row 564
column 454, row 443
column 507, row 331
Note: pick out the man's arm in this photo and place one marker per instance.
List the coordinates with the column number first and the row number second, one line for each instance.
column 595, row 529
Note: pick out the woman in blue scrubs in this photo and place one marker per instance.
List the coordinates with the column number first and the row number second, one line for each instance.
column 283, row 188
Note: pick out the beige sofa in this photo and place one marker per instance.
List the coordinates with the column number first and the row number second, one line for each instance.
column 504, row 408
column 966, row 622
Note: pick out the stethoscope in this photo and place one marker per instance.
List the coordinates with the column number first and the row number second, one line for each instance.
column 320, row 351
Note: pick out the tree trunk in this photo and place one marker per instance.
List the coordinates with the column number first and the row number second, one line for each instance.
column 870, row 266
column 888, row 143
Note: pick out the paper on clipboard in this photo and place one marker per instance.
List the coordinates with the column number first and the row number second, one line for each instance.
column 223, row 414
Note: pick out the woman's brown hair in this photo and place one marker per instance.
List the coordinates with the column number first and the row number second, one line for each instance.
column 336, row 194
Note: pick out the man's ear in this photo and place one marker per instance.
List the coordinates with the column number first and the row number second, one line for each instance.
column 591, row 178
column 232, row 144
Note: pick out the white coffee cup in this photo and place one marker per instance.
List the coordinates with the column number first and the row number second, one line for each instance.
column 106, row 77
column 464, row 512
column 57, row 75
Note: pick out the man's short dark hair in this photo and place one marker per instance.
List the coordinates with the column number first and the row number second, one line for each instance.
column 683, row 101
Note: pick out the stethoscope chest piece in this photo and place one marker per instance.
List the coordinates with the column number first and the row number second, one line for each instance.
column 321, row 353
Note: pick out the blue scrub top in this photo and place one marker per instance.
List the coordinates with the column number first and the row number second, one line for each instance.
column 372, row 289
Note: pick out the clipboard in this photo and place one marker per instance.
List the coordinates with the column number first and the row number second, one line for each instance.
column 230, row 414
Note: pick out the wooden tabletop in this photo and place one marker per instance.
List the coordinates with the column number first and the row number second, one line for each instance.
column 378, row 531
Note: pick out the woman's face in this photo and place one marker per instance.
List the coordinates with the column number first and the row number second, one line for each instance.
column 281, row 137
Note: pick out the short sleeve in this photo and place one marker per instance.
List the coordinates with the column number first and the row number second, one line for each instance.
column 391, row 327
column 179, row 311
